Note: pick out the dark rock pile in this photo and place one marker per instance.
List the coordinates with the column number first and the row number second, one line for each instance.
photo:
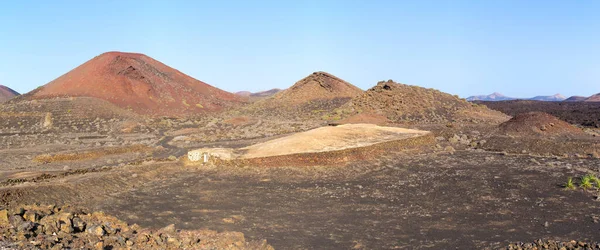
column 539, row 124
column 51, row 227
column 550, row 244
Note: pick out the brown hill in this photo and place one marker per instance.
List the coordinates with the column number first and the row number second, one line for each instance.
column 543, row 134
column 316, row 86
column 310, row 98
column 140, row 83
column 539, row 124
column 594, row 98
column 6, row 93
column 401, row 103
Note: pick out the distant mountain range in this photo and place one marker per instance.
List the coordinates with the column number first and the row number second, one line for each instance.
column 500, row 97
column 258, row 94
column 491, row 97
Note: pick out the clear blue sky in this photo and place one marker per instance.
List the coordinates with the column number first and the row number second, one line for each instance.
column 519, row 48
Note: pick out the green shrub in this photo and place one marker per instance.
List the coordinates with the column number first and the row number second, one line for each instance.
column 587, row 181
column 570, row 185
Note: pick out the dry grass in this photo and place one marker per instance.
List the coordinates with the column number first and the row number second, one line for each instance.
column 92, row 154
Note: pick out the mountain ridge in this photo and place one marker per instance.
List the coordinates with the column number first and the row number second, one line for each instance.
column 500, row 97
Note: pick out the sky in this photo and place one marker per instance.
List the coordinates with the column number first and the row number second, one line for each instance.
column 518, row 48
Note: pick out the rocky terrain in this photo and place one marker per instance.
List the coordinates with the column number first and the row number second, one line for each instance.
column 415, row 200
column 52, row 227
column 116, row 175
column 551, row 244
column 138, row 83
column 6, row 93
column 538, row 124
column 401, row 103
column 310, row 99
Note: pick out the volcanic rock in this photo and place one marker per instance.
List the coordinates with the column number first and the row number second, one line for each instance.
column 317, row 86
column 308, row 99
column 107, row 232
column 538, row 124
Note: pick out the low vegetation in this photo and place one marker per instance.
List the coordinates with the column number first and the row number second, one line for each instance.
column 586, row 182
column 570, row 185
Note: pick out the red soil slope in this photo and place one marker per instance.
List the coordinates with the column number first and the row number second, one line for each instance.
column 140, row 83
column 6, row 93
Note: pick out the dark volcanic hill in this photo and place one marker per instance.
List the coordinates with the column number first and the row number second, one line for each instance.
column 575, row 112
column 539, row 124
column 316, row 86
column 140, row 83
column 575, row 98
column 309, row 98
column 6, row 93
column 405, row 103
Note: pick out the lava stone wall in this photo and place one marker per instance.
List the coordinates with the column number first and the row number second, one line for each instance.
column 338, row 157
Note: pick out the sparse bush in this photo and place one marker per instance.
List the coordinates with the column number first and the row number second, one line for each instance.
column 586, row 182
column 595, row 180
column 570, row 185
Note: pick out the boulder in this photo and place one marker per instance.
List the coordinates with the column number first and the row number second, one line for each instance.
column 4, row 218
